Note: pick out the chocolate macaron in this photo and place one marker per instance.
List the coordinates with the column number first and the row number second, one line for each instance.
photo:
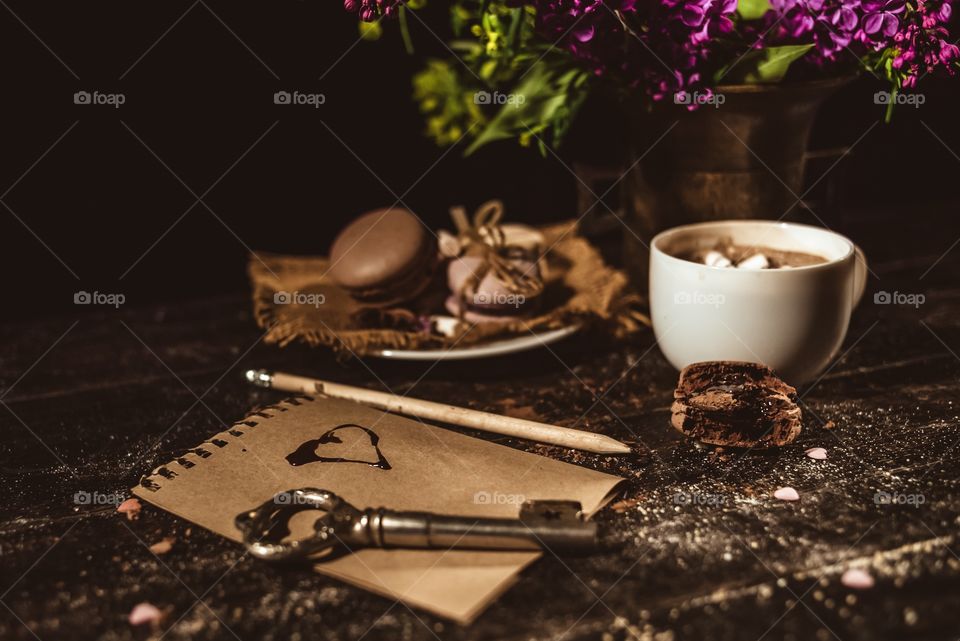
column 385, row 257
column 735, row 404
column 491, row 301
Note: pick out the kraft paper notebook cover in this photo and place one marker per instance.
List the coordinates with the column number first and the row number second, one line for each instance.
column 371, row 459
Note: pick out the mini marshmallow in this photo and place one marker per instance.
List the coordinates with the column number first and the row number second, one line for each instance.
column 445, row 325
column 757, row 261
column 716, row 259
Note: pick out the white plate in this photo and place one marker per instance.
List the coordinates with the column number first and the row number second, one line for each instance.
column 482, row 350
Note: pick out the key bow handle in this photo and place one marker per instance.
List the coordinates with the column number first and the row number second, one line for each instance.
column 264, row 527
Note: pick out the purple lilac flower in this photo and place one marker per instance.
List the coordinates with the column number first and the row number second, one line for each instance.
column 588, row 29
column 372, row 10
column 882, row 17
column 796, row 18
column 672, row 47
column 922, row 43
column 668, row 45
column 830, row 25
column 682, row 34
column 845, row 17
column 661, row 44
column 705, row 18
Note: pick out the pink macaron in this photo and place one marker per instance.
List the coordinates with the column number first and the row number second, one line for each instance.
column 492, row 302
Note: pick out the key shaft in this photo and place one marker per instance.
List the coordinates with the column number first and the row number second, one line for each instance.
column 541, row 525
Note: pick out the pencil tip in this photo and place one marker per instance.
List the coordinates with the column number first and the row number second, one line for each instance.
column 613, row 446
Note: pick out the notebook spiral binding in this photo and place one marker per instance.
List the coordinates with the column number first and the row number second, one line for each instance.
column 252, row 419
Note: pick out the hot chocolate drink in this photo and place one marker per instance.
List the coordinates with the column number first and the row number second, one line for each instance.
column 754, row 290
column 726, row 253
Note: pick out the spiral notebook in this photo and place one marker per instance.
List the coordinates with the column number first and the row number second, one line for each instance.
column 372, row 459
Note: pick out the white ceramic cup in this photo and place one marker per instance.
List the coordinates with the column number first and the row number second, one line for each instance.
column 793, row 320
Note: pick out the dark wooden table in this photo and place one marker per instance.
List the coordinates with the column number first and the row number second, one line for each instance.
column 94, row 401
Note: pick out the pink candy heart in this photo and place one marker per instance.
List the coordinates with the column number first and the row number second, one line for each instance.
column 131, row 508
column 787, row 494
column 145, row 613
column 857, row 579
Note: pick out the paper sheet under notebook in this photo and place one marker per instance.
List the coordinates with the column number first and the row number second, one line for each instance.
column 430, row 469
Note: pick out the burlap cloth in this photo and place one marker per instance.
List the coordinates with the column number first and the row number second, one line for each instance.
column 579, row 289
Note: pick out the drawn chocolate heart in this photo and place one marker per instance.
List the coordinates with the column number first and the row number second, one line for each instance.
column 312, row 450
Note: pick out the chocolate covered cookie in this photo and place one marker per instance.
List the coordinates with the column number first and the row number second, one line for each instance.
column 735, row 404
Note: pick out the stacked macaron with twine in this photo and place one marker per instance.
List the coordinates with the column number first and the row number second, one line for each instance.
column 493, row 272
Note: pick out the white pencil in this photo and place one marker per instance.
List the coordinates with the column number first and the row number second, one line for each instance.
column 485, row 421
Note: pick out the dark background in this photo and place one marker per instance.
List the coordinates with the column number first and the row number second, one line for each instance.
column 199, row 80
column 92, row 404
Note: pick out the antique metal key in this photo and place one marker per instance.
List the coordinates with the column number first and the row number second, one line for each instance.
column 556, row 525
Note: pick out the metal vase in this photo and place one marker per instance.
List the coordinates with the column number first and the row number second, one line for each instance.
column 743, row 158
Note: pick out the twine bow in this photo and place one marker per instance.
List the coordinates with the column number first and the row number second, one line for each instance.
column 485, row 227
column 484, row 238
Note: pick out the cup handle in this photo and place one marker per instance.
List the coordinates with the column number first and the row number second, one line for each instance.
column 860, row 272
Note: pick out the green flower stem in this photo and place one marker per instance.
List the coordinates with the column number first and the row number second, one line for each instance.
column 405, row 31
column 513, row 37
